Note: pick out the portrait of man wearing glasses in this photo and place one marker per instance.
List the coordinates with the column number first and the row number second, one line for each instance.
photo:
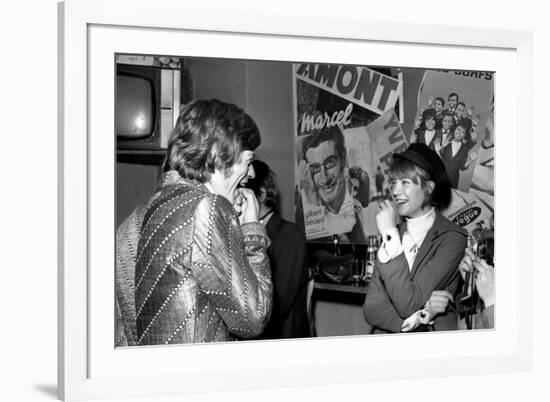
column 326, row 189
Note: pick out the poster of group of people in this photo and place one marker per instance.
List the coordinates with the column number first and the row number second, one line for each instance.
column 351, row 119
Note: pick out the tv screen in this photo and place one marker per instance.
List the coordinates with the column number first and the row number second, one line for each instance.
column 135, row 106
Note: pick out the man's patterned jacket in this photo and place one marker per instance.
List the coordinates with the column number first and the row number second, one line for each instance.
column 199, row 275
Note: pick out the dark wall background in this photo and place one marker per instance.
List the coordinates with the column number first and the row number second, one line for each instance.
column 264, row 90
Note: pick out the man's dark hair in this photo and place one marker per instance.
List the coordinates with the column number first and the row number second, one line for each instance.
column 209, row 135
column 328, row 134
column 429, row 114
column 453, row 94
column 265, row 178
column 439, row 98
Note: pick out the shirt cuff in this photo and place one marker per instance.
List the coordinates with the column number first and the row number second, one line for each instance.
column 421, row 317
column 391, row 245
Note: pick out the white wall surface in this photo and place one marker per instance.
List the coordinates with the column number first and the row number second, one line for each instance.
column 28, row 203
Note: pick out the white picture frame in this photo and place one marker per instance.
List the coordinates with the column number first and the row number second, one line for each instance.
column 89, row 367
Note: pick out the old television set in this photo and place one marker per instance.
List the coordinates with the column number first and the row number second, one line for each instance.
column 148, row 97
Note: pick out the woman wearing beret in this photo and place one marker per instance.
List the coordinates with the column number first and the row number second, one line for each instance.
column 419, row 256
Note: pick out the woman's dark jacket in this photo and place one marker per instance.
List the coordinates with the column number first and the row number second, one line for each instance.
column 395, row 292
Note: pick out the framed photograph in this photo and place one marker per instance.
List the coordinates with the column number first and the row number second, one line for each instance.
column 290, row 64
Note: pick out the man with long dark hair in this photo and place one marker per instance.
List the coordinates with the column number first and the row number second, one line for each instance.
column 287, row 255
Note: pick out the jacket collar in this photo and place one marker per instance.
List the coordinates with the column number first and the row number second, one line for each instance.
column 172, row 177
column 273, row 224
column 440, row 226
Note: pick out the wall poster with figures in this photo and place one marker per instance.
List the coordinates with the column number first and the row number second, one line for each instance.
column 349, row 120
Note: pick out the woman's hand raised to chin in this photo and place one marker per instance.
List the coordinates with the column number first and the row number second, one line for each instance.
column 386, row 216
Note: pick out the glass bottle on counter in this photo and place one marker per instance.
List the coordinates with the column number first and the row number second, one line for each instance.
column 372, row 247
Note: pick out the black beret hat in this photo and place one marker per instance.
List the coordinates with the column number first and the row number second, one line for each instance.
column 424, row 157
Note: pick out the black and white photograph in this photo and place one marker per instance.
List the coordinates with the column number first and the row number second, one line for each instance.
column 274, row 201
column 351, row 200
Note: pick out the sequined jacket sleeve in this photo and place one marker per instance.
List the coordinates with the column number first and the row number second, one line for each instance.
column 231, row 266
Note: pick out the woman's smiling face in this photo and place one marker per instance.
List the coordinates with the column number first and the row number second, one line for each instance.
column 409, row 197
column 447, row 122
column 459, row 133
column 430, row 123
column 411, row 191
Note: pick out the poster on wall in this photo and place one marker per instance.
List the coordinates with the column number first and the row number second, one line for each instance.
column 349, row 122
column 336, row 158
column 464, row 139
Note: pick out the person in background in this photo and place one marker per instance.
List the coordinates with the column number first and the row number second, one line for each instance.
column 456, row 156
column 462, row 119
column 287, row 255
column 201, row 270
column 474, row 134
column 485, row 285
column 379, row 180
column 360, row 182
column 419, row 123
column 439, row 104
column 355, row 187
column 419, row 256
column 447, row 124
column 460, row 111
column 452, row 101
column 483, row 179
column 428, row 135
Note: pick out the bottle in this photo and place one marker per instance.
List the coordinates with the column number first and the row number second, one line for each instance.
column 335, row 242
column 378, row 241
column 371, row 258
